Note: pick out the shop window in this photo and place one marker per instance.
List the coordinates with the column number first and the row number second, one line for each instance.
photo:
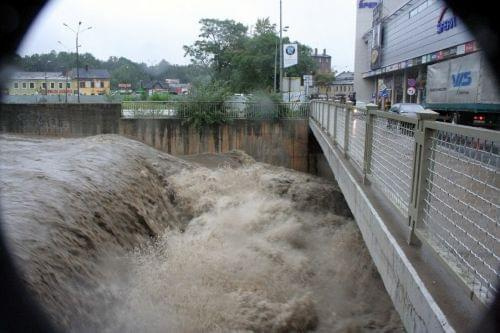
column 92, row 85
column 102, row 84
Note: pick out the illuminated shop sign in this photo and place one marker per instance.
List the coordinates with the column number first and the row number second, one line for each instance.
column 446, row 24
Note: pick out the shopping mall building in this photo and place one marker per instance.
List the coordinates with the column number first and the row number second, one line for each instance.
column 418, row 51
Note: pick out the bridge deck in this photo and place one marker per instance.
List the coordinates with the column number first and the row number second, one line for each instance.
column 394, row 187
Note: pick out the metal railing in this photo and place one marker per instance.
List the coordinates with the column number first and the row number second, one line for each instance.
column 443, row 178
column 229, row 110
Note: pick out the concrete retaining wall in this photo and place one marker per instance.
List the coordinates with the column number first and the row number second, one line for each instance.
column 64, row 120
column 283, row 142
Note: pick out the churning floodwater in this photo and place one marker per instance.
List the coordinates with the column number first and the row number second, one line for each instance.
column 114, row 236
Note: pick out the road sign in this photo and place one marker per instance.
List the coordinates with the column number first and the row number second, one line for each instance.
column 412, row 82
column 411, row 91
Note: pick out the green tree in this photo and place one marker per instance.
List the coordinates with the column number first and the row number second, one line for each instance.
column 324, row 81
column 220, row 41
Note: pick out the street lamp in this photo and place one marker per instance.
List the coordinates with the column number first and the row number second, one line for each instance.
column 65, row 73
column 276, row 60
column 77, row 32
column 46, row 64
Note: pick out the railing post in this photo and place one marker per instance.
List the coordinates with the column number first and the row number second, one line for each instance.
column 347, row 126
column 334, row 124
column 328, row 119
column 367, row 158
column 423, row 136
column 323, row 115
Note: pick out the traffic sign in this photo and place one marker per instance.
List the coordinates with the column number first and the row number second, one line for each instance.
column 411, row 91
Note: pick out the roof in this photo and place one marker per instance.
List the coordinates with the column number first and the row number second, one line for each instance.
column 344, row 76
column 91, row 73
column 37, row 76
column 155, row 85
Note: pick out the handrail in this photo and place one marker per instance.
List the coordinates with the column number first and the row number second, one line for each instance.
column 423, row 166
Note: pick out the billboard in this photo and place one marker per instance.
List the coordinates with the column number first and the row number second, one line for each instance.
column 461, row 80
column 290, row 55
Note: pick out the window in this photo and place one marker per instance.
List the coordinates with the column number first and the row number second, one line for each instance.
column 102, row 84
column 60, row 85
column 44, row 85
column 92, row 85
column 68, row 85
column 16, row 85
column 87, row 84
column 82, row 84
column 52, row 85
column 32, row 85
column 24, row 85
column 421, row 7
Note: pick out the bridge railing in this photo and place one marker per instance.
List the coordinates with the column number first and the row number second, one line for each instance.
column 443, row 178
column 225, row 110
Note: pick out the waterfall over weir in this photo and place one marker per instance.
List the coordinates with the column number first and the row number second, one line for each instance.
column 112, row 235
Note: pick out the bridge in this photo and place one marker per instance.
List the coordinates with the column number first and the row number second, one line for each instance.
column 426, row 197
column 425, row 194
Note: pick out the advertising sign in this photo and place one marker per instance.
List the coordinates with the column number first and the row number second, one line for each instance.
column 454, row 81
column 290, row 57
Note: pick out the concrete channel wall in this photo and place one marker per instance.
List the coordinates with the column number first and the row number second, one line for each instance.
column 60, row 120
column 284, row 142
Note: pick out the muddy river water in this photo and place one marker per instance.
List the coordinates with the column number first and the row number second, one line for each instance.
column 112, row 235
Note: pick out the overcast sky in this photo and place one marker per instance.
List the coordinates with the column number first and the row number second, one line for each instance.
column 151, row 30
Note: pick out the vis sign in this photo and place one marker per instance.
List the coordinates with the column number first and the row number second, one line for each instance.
column 462, row 79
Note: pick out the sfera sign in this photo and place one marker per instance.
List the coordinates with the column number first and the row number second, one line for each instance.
column 367, row 4
column 445, row 24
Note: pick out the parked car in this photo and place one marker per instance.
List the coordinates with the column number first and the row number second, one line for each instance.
column 407, row 109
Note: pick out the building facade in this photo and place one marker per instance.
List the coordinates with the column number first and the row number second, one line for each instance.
column 91, row 81
column 39, row 83
column 396, row 41
column 343, row 86
column 323, row 62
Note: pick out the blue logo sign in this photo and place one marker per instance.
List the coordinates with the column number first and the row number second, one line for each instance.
column 369, row 4
column 445, row 25
column 462, row 79
column 290, row 50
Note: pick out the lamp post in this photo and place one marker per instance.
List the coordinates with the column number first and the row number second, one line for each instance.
column 48, row 62
column 276, row 60
column 281, row 45
column 77, row 32
column 65, row 70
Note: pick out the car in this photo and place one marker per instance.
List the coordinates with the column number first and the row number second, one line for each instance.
column 407, row 109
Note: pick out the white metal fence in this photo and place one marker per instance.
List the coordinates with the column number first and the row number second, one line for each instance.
column 443, row 178
column 228, row 109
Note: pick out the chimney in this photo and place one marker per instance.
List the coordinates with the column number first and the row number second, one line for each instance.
column 324, row 52
column 315, row 51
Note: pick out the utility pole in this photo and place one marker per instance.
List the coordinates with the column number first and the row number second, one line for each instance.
column 275, row 65
column 77, row 32
column 281, row 45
